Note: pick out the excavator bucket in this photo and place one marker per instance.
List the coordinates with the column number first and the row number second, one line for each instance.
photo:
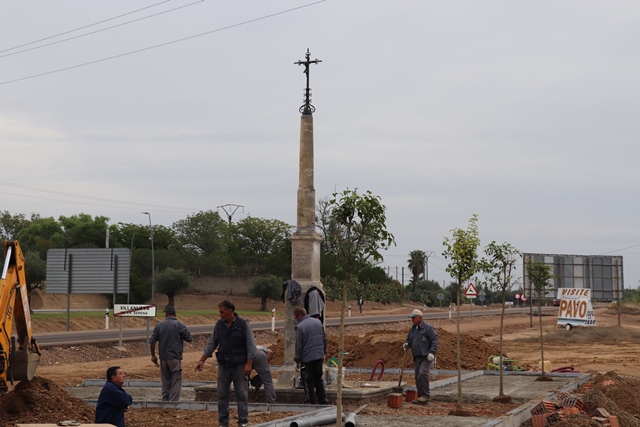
column 23, row 365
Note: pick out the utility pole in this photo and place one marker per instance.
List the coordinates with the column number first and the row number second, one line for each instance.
column 153, row 277
column 231, row 210
column 426, row 264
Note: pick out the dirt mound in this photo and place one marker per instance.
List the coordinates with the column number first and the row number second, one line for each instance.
column 42, row 401
column 385, row 345
column 619, row 396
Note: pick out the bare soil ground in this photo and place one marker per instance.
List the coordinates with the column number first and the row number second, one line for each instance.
column 606, row 348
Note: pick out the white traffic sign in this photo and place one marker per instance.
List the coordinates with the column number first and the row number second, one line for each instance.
column 131, row 310
column 471, row 291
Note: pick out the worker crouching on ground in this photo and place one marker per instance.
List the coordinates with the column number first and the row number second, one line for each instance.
column 261, row 366
column 423, row 342
column 311, row 346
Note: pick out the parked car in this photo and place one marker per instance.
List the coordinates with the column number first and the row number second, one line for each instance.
column 556, row 303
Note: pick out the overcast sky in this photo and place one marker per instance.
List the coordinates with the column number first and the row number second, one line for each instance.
column 525, row 113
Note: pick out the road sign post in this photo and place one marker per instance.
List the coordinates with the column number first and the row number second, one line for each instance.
column 471, row 293
column 132, row 310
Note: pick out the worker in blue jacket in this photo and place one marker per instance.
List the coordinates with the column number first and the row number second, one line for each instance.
column 113, row 400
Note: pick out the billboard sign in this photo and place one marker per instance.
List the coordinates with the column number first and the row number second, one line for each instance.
column 575, row 308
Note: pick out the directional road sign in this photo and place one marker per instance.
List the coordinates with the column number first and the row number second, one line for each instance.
column 132, row 310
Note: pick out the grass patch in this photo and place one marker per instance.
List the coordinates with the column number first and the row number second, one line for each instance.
column 579, row 335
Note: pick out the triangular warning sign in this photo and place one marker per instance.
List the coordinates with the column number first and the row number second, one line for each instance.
column 471, row 291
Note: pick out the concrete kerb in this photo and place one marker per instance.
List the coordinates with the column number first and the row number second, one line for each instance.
column 213, row 407
column 513, row 419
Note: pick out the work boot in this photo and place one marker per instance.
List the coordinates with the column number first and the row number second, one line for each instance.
column 422, row 400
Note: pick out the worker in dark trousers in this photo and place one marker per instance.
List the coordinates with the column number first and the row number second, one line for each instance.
column 311, row 346
column 171, row 333
column 422, row 339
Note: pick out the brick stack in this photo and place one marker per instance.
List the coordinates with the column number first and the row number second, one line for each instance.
column 547, row 413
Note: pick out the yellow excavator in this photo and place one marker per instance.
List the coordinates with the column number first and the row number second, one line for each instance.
column 19, row 355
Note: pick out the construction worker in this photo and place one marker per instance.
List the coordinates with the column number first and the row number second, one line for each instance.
column 311, row 346
column 422, row 339
column 261, row 366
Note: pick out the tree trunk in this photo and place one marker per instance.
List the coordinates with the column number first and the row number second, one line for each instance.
column 541, row 336
column 459, row 406
column 345, row 286
column 504, row 298
column 263, row 304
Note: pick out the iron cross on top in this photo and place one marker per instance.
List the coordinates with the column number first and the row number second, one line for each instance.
column 307, row 108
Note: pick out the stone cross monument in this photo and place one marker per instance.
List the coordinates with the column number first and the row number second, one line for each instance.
column 305, row 264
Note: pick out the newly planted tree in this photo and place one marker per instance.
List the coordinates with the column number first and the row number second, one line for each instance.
column 498, row 267
column 461, row 249
column 358, row 235
column 540, row 274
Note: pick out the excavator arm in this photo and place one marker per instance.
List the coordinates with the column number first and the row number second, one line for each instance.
column 19, row 353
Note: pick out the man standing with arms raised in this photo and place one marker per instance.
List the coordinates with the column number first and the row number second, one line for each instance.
column 423, row 342
column 233, row 338
column 171, row 333
column 311, row 346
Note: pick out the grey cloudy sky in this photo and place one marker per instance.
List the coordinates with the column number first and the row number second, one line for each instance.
column 525, row 113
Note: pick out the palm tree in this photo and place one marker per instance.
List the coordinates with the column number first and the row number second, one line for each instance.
column 417, row 261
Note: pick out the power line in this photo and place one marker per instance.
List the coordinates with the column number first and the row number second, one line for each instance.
column 179, row 210
column 80, row 196
column 623, row 249
column 100, row 30
column 250, row 21
column 83, row 27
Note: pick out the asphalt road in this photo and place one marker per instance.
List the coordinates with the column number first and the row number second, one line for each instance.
column 79, row 337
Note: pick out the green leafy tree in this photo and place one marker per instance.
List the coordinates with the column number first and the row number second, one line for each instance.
column 540, row 274
column 498, row 267
column 35, row 270
column 203, row 239
column 10, row 225
column 84, row 231
column 171, row 282
column 417, row 260
column 426, row 292
column 358, row 234
column 132, row 236
column 41, row 235
column 462, row 251
column 266, row 287
column 262, row 246
column 322, row 221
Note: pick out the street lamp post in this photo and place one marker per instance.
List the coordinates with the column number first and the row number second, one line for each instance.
column 153, row 284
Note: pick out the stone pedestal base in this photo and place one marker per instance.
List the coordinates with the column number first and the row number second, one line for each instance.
column 286, row 376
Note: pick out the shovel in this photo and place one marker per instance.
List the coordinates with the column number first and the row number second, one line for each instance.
column 399, row 388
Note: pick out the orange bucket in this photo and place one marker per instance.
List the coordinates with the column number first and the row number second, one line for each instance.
column 411, row 395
